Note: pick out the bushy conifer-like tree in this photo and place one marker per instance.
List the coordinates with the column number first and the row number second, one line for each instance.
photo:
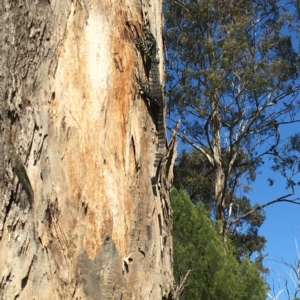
column 215, row 272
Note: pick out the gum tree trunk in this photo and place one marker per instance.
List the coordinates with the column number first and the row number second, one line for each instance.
column 79, row 218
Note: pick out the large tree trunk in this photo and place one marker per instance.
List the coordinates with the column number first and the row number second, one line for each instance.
column 78, row 215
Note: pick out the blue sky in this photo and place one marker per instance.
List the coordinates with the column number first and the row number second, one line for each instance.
column 281, row 227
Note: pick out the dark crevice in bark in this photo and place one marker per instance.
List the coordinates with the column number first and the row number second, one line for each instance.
column 7, row 209
column 25, row 279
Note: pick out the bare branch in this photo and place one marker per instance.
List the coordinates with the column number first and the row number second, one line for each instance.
column 184, row 138
column 181, row 5
column 259, row 207
column 175, row 130
column 295, row 278
column 276, row 297
column 181, row 286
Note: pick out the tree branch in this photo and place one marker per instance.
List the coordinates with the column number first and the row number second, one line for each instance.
column 184, row 138
column 181, row 286
column 280, row 199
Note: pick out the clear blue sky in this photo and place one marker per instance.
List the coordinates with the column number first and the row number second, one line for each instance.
column 281, row 227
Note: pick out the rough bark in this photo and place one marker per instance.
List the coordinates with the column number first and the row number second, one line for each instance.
column 78, row 216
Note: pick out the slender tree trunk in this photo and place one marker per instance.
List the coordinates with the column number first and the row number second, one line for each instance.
column 217, row 161
column 78, row 215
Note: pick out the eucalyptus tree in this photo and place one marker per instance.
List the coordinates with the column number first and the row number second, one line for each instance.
column 233, row 78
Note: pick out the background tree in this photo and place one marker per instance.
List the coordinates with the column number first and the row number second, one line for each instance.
column 215, row 272
column 195, row 174
column 233, row 79
column 78, row 217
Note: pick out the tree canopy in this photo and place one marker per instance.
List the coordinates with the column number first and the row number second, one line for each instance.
column 233, row 78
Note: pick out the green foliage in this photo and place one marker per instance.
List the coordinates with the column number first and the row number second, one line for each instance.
column 235, row 48
column 193, row 173
column 233, row 78
column 216, row 274
column 288, row 161
column 244, row 233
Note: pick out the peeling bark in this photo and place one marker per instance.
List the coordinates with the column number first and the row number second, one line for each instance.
column 78, row 216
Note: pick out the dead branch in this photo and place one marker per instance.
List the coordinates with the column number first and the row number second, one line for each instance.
column 181, row 286
column 258, row 207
